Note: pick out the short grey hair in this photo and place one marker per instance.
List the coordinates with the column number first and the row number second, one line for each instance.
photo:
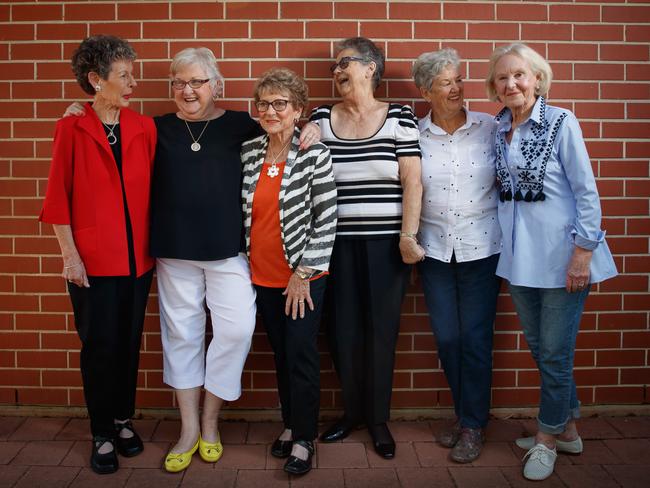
column 97, row 54
column 429, row 65
column 367, row 50
column 538, row 65
column 205, row 58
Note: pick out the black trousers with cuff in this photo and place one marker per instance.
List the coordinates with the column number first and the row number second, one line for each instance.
column 109, row 317
column 297, row 363
column 368, row 280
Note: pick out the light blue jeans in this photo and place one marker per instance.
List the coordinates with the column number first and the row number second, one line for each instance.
column 550, row 319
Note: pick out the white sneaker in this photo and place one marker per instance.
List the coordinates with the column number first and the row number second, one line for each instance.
column 541, row 461
column 568, row 447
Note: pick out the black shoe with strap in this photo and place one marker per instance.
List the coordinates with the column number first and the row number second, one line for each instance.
column 281, row 449
column 103, row 463
column 295, row 465
column 128, row 446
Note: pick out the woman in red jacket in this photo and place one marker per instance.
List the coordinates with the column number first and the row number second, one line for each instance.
column 98, row 202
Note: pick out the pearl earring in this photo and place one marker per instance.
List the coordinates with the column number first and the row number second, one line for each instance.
column 98, row 88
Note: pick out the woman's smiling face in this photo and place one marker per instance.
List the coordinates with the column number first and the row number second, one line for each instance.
column 278, row 122
column 194, row 103
column 446, row 94
column 514, row 82
column 354, row 75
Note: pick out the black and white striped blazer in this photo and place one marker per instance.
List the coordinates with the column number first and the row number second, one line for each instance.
column 307, row 201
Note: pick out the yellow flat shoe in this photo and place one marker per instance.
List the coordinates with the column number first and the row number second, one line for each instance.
column 210, row 452
column 178, row 462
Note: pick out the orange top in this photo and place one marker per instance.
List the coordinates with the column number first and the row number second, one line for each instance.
column 268, row 264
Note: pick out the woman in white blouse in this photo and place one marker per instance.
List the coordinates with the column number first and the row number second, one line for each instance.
column 460, row 235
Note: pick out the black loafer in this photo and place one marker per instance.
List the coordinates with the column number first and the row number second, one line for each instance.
column 340, row 430
column 128, row 446
column 382, row 440
column 103, row 463
column 296, row 465
column 281, row 449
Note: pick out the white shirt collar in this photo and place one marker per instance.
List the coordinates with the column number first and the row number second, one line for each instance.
column 425, row 123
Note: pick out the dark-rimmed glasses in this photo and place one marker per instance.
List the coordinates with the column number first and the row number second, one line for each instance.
column 279, row 104
column 344, row 62
column 178, row 84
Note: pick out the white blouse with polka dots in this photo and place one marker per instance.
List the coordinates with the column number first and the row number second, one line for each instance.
column 459, row 201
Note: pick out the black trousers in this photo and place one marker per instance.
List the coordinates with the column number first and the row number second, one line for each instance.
column 368, row 281
column 297, row 363
column 109, row 317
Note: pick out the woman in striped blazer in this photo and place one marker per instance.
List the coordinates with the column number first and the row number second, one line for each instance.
column 289, row 203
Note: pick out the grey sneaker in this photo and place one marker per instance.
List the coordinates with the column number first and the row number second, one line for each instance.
column 448, row 437
column 469, row 446
column 540, row 462
column 567, row 447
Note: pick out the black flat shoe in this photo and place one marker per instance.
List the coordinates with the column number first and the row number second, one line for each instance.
column 128, row 446
column 296, row 465
column 281, row 449
column 382, row 440
column 340, row 430
column 103, row 463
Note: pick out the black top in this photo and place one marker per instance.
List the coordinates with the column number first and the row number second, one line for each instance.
column 196, row 196
column 116, row 148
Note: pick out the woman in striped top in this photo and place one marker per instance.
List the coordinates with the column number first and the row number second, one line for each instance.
column 289, row 201
column 376, row 159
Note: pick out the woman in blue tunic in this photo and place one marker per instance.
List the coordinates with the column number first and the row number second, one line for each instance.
column 553, row 247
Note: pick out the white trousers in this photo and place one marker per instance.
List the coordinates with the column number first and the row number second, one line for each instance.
column 184, row 287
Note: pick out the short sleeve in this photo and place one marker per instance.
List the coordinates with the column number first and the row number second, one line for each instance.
column 320, row 114
column 152, row 136
column 407, row 134
column 252, row 128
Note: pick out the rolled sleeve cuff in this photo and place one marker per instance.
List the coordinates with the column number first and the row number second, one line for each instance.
column 588, row 244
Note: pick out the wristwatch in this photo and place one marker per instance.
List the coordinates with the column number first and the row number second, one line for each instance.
column 303, row 274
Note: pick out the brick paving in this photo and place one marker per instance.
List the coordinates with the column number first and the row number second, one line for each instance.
column 53, row 452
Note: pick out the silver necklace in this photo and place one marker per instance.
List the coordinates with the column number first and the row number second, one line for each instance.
column 273, row 170
column 195, row 145
column 112, row 138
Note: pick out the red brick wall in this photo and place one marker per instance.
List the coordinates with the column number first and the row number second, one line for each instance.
column 599, row 52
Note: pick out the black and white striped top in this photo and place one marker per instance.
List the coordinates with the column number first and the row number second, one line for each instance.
column 366, row 172
column 307, row 201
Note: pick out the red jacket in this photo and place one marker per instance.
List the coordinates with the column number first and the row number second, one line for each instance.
column 84, row 190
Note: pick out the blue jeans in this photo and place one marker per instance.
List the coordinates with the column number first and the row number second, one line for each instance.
column 550, row 318
column 461, row 298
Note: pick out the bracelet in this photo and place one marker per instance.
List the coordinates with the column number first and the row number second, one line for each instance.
column 72, row 266
column 410, row 235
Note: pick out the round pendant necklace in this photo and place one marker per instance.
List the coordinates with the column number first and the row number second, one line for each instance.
column 273, row 170
column 195, row 146
column 112, row 138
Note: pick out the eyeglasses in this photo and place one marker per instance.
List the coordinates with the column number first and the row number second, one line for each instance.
column 344, row 62
column 278, row 105
column 179, row 85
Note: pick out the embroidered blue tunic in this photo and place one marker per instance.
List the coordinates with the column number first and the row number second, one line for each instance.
column 549, row 200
